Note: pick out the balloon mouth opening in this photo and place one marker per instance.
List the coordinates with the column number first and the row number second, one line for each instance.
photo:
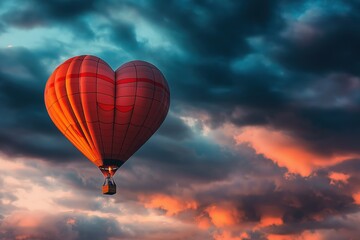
column 108, row 170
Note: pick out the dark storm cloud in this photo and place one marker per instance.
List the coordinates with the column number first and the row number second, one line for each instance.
column 124, row 34
column 212, row 45
column 206, row 28
column 338, row 130
column 26, row 128
column 174, row 128
column 66, row 9
column 2, row 27
column 38, row 13
column 162, row 158
column 210, row 34
column 189, row 158
column 266, row 95
column 327, row 43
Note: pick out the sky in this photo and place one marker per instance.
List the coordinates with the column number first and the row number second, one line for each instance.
column 261, row 140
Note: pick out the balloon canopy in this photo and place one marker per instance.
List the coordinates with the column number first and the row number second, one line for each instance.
column 107, row 115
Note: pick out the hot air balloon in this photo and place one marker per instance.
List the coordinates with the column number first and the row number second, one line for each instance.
column 107, row 115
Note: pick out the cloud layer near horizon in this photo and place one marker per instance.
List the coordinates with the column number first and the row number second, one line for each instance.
column 261, row 141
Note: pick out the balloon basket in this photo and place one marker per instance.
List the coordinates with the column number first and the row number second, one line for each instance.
column 109, row 186
column 109, row 189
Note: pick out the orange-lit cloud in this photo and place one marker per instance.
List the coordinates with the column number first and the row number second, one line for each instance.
column 356, row 197
column 172, row 205
column 285, row 150
column 338, row 177
column 270, row 220
column 222, row 216
column 203, row 222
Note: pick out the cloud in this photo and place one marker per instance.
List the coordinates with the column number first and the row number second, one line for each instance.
column 171, row 205
column 36, row 13
column 269, row 221
column 261, row 141
column 175, row 128
column 287, row 151
column 26, row 130
column 225, row 235
column 40, row 225
column 338, row 178
column 309, row 51
column 222, row 216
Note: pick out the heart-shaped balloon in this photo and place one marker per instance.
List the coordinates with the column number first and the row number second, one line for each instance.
column 107, row 115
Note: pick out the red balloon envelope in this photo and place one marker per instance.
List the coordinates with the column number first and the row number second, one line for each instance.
column 107, row 115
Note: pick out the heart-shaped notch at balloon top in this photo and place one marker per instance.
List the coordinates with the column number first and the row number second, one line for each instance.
column 107, row 115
